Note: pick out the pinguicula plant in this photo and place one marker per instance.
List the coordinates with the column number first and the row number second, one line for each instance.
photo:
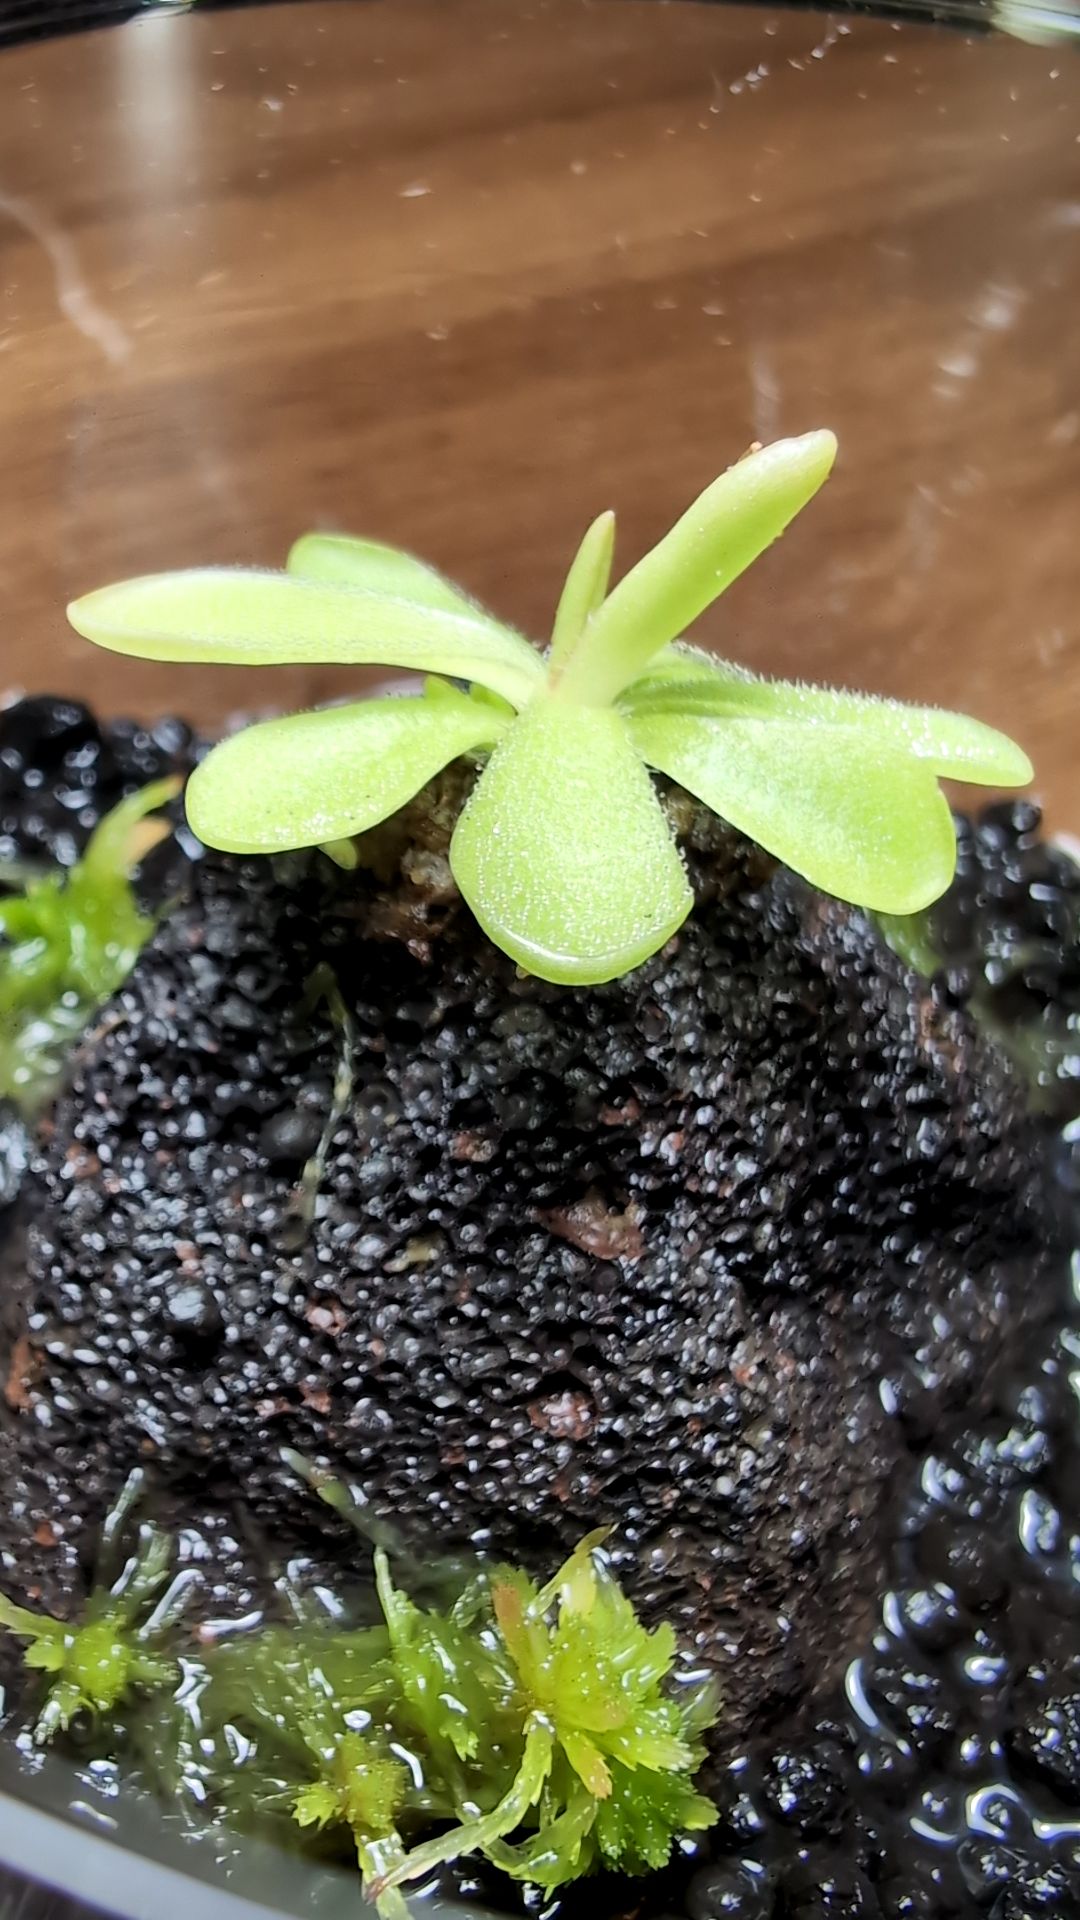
column 563, row 850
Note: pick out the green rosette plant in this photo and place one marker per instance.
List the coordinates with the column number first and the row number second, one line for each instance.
column 563, row 850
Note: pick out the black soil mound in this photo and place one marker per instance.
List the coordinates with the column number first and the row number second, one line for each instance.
column 697, row 1255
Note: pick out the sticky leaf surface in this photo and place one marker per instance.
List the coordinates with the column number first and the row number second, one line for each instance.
column 869, row 825
column 226, row 615
column 314, row 777
column 563, row 852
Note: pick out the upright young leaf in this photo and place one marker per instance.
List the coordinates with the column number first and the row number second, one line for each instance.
column 733, row 521
column 586, row 585
column 856, row 819
column 229, row 616
column 314, row 777
column 563, row 852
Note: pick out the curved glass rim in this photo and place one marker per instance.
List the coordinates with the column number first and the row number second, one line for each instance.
column 1038, row 22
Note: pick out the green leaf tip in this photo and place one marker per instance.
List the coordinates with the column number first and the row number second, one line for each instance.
column 562, row 851
column 717, row 538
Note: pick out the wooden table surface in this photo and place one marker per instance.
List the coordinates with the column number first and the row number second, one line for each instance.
column 459, row 273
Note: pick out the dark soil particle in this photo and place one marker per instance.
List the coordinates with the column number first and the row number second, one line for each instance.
column 751, row 1256
column 1047, row 1748
column 60, row 771
column 1007, row 935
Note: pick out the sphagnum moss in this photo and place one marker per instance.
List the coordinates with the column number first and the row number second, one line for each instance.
column 539, row 1727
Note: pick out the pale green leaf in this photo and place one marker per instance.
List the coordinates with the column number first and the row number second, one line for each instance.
column 858, row 820
column 28, row 1626
column 341, row 560
column 586, row 585
column 46, row 1655
column 676, row 664
column 315, row 778
column 652, row 1740
column 343, row 853
column 588, row 1763
column 951, row 745
column 563, row 852
column 125, row 836
column 62, row 1702
column 559, row 1851
column 726, row 529
column 475, row 1835
column 637, row 1825
column 229, row 616
column 317, row 1805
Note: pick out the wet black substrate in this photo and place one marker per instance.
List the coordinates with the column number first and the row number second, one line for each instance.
column 686, row 1255
column 60, row 771
column 944, row 1780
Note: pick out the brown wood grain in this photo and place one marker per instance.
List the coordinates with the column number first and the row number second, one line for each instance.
column 461, row 272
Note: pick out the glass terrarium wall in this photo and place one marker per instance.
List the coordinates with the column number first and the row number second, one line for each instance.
column 459, row 273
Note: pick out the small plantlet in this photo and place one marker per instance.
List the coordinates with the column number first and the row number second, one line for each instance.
column 68, row 941
column 563, row 851
column 96, row 1666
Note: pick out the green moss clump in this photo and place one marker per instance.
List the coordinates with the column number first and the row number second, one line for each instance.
column 540, row 1728
column 97, row 1666
column 67, row 942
